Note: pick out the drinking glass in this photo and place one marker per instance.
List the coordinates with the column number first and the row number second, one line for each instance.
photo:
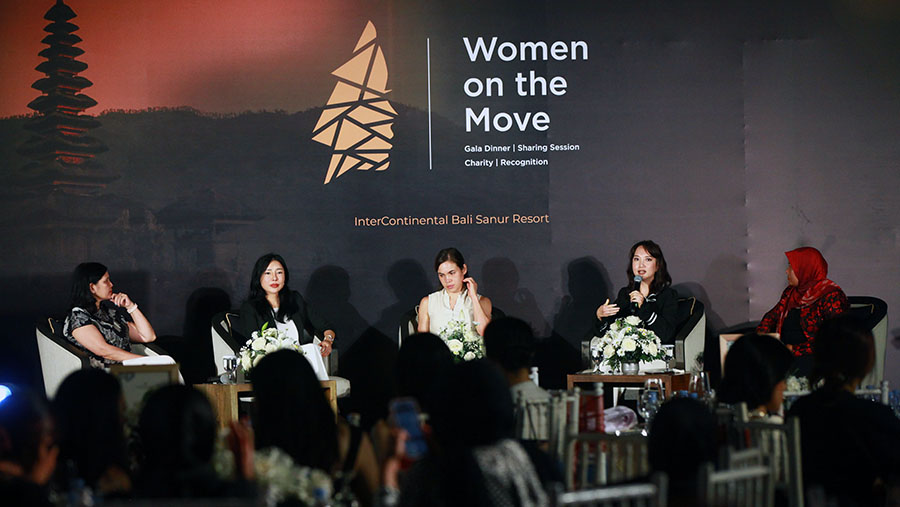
column 648, row 404
column 699, row 385
column 230, row 363
column 596, row 354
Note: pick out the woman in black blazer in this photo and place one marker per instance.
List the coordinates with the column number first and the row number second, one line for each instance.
column 272, row 301
column 655, row 302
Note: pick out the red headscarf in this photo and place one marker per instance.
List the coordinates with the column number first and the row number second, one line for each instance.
column 811, row 270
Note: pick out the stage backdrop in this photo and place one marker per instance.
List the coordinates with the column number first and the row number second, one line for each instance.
column 357, row 138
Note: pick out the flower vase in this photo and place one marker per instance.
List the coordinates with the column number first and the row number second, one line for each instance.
column 630, row 368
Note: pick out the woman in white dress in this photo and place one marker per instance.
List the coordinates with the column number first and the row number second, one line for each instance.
column 456, row 301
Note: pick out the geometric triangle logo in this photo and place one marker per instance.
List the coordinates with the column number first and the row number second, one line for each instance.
column 356, row 122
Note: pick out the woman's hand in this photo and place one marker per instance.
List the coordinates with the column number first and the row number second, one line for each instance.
column 471, row 286
column 122, row 299
column 607, row 310
column 636, row 297
column 327, row 343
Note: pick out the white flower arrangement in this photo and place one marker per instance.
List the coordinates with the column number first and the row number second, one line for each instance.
column 281, row 479
column 797, row 384
column 266, row 340
column 278, row 476
column 626, row 342
column 463, row 341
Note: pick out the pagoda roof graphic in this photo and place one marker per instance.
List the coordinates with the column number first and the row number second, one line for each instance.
column 357, row 120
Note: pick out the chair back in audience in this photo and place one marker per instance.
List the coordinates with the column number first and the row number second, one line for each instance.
column 58, row 357
column 598, row 459
column 874, row 312
column 532, row 418
column 780, row 445
column 690, row 333
column 562, row 418
column 648, row 494
column 743, row 487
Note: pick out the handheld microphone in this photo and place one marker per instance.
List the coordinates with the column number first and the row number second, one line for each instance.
column 637, row 286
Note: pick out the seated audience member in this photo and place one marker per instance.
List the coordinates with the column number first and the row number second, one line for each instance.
column 178, row 432
column 510, row 343
column 756, row 370
column 850, row 445
column 457, row 301
column 291, row 413
column 27, row 452
column 101, row 321
column 474, row 460
column 421, row 363
column 656, row 302
column 682, row 438
column 809, row 299
column 90, row 428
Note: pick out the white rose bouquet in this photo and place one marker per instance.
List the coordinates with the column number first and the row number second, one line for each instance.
column 268, row 339
column 278, row 476
column 464, row 342
column 626, row 342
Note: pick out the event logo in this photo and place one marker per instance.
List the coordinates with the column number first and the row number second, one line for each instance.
column 356, row 122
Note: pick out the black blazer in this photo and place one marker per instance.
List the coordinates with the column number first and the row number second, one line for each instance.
column 659, row 313
column 305, row 318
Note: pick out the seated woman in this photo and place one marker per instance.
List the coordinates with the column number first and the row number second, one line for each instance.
column 809, row 299
column 473, row 458
column 681, row 440
column 756, row 370
column 455, row 302
column 654, row 301
column 848, row 444
column 272, row 301
column 89, row 409
column 293, row 415
column 103, row 322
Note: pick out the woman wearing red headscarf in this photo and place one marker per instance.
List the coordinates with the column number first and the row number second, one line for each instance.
column 809, row 299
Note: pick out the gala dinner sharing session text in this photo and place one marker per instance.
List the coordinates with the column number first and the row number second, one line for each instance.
column 470, row 219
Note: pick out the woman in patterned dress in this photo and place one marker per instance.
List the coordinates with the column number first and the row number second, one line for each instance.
column 103, row 322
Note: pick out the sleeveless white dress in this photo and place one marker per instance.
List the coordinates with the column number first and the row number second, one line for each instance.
column 440, row 314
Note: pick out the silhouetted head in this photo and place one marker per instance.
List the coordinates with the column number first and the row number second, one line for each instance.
column 422, row 361
column 509, row 342
column 85, row 275
column 476, row 406
column 178, row 430
column 755, row 370
column 25, row 429
column 288, row 395
column 90, row 424
column 660, row 272
column 682, row 437
column 843, row 352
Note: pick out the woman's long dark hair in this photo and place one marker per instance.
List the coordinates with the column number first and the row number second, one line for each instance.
column 291, row 411
column 84, row 275
column 90, row 424
column 661, row 279
column 178, row 433
column 844, row 350
column 257, row 297
column 754, row 365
